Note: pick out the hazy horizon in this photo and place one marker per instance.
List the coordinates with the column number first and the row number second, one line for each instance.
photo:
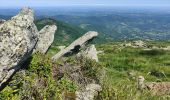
column 98, row 3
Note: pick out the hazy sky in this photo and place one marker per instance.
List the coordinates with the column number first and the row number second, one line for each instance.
column 40, row 3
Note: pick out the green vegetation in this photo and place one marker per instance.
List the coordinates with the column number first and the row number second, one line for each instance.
column 120, row 61
column 35, row 82
column 42, row 79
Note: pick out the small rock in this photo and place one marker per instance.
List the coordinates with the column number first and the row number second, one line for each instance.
column 89, row 92
column 157, row 88
column 91, row 53
column 139, row 44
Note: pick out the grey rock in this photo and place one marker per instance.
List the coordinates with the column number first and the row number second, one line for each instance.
column 18, row 37
column 157, row 88
column 91, row 53
column 76, row 45
column 45, row 38
column 89, row 92
column 139, row 44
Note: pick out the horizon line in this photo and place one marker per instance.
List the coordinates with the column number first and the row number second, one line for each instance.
column 94, row 5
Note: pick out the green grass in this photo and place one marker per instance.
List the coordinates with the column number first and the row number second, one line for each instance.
column 118, row 61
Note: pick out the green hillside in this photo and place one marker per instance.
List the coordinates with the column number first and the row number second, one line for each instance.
column 65, row 33
column 123, row 26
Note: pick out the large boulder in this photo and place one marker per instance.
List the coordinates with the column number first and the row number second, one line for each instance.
column 18, row 38
column 76, row 45
column 45, row 38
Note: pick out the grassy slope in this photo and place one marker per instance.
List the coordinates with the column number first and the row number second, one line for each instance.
column 119, row 61
column 117, row 84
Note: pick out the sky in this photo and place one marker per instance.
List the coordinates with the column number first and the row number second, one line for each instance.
column 55, row 3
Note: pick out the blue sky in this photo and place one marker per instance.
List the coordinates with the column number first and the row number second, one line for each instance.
column 42, row 3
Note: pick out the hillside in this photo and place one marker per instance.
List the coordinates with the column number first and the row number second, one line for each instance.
column 122, row 66
column 65, row 33
column 123, row 25
column 125, row 63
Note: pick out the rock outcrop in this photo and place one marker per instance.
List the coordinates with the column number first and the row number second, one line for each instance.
column 18, row 39
column 157, row 88
column 45, row 38
column 76, row 45
column 89, row 92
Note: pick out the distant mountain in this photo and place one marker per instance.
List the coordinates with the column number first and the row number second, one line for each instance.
column 121, row 26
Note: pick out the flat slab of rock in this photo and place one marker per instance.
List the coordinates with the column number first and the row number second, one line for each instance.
column 76, row 45
column 45, row 38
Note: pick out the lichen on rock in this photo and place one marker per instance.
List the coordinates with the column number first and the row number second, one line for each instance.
column 45, row 38
column 18, row 37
